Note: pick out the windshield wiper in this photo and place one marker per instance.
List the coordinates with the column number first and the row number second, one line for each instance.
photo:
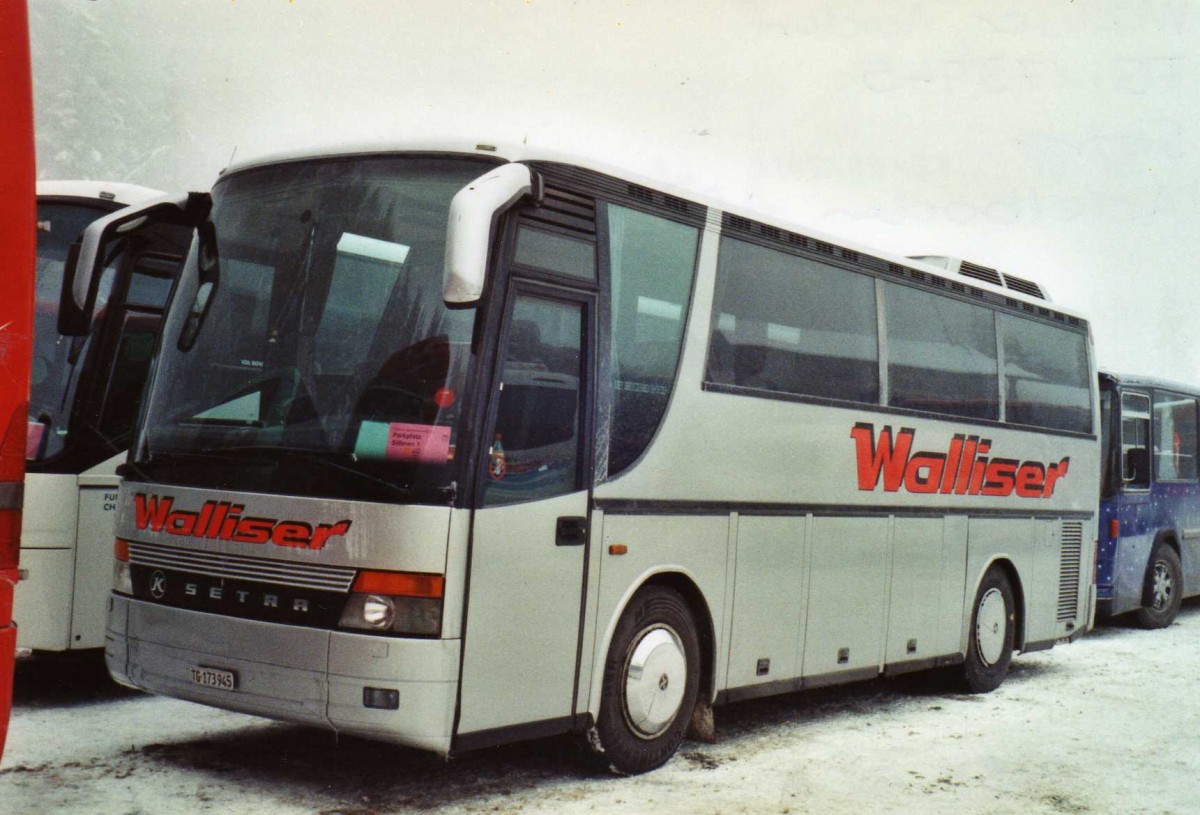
column 272, row 453
column 202, row 420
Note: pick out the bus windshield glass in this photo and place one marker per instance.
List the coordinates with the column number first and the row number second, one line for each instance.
column 57, row 360
column 318, row 335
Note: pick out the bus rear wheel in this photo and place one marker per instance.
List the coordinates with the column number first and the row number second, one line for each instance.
column 993, row 632
column 651, row 680
column 1163, row 593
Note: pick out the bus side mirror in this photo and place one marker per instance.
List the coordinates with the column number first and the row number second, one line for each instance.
column 473, row 213
column 88, row 256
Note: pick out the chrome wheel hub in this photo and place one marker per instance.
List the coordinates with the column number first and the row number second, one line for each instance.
column 655, row 679
column 1163, row 589
column 991, row 625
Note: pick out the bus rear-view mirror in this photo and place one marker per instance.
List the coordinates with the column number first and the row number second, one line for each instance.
column 473, row 213
column 94, row 250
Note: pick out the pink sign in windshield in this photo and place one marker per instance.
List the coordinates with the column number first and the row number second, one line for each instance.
column 418, row 442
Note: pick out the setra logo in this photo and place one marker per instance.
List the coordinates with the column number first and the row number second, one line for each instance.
column 223, row 520
column 964, row 469
column 158, row 585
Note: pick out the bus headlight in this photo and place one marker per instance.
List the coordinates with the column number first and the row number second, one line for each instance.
column 122, row 575
column 396, row 603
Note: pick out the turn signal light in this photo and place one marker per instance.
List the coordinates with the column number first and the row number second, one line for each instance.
column 122, row 575
column 1114, row 528
column 401, row 584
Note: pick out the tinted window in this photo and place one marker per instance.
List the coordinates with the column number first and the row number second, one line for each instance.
column 1174, row 437
column 941, row 354
column 1135, row 440
column 534, row 450
column 556, row 253
column 652, row 262
column 57, row 360
column 123, row 398
column 786, row 323
column 364, row 273
column 1045, row 375
column 150, row 282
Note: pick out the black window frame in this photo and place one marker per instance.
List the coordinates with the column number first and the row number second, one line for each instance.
column 855, row 261
column 1154, row 396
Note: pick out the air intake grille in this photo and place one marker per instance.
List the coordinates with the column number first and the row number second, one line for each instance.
column 1068, row 570
column 218, row 564
column 969, row 269
column 565, row 210
column 1024, row 286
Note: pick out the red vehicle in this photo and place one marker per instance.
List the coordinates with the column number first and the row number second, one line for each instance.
column 17, row 241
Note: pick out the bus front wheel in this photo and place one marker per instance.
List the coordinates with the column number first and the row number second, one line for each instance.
column 1164, row 589
column 651, row 680
column 993, row 632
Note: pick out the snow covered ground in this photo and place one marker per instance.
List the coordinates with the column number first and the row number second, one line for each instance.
column 1107, row 725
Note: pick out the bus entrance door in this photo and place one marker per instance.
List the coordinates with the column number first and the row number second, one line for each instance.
column 529, row 535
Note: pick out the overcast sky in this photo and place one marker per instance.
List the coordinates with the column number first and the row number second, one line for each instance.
column 1053, row 139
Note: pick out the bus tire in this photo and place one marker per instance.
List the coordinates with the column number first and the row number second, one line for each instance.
column 1163, row 592
column 992, row 635
column 651, row 680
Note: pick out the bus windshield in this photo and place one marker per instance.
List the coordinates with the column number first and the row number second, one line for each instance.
column 57, row 360
column 318, row 335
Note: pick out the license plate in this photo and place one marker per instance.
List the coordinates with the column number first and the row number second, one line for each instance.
column 214, row 678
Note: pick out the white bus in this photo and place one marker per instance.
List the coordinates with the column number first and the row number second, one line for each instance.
column 450, row 449
column 85, row 391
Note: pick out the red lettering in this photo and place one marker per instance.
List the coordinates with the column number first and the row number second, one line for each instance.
column 964, row 469
column 953, row 459
column 964, row 472
column 214, row 528
column 254, row 530
column 291, row 533
column 151, row 510
column 221, row 520
column 977, row 475
column 1030, row 479
column 1000, row 478
column 326, row 531
column 928, row 481
column 181, row 523
column 1055, row 472
column 882, row 458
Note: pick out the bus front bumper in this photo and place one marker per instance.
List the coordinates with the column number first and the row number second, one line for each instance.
column 305, row 675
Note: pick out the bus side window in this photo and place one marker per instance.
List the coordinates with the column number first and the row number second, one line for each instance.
column 652, row 263
column 1174, row 437
column 1046, row 381
column 786, row 323
column 1135, row 441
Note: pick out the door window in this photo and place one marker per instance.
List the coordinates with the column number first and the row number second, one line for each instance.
column 533, row 450
column 1135, row 441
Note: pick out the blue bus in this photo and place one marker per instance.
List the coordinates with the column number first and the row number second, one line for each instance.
column 1148, row 558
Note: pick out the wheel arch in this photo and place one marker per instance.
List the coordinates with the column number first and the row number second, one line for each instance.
column 678, row 579
column 1169, row 537
column 705, row 630
column 1005, row 565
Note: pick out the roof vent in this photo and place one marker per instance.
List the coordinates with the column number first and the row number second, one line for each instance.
column 1022, row 285
column 985, row 273
column 974, row 270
